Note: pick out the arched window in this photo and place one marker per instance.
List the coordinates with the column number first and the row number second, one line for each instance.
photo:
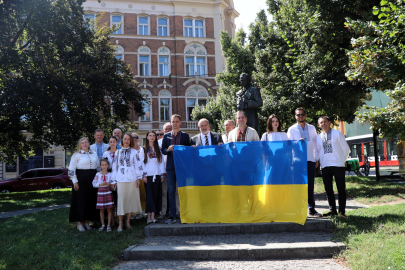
column 144, row 67
column 89, row 19
column 195, row 60
column 146, row 106
column 163, row 26
column 196, row 95
column 143, row 25
column 116, row 19
column 194, row 27
column 165, row 107
column 164, row 61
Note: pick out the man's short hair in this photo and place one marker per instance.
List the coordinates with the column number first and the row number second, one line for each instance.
column 240, row 112
column 175, row 115
column 118, row 130
column 202, row 120
column 98, row 130
column 323, row 117
column 166, row 124
column 300, row 109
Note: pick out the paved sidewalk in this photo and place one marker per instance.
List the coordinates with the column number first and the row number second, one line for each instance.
column 32, row 210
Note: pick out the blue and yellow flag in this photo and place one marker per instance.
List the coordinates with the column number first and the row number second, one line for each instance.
column 243, row 182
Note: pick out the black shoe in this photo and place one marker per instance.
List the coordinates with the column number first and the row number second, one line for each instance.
column 315, row 214
column 329, row 214
column 170, row 221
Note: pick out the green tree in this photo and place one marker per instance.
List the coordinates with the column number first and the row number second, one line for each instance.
column 377, row 60
column 59, row 78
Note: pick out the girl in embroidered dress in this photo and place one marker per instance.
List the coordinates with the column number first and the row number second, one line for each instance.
column 110, row 154
column 82, row 169
column 154, row 174
column 127, row 172
column 105, row 200
column 274, row 132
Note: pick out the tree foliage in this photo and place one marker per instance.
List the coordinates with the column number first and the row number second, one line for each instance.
column 377, row 60
column 59, row 78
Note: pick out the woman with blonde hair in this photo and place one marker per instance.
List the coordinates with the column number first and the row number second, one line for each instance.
column 82, row 169
column 127, row 171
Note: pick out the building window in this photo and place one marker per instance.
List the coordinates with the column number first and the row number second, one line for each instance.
column 196, row 95
column 164, row 109
column 190, row 66
column 146, row 106
column 195, row 60
column 116, row 20
column 163, row 65
column 119, row 54
column 163, row 27
column 89, row 18
column 193, row 28
column 143, row 27
column 144, row 65
column 200, row 66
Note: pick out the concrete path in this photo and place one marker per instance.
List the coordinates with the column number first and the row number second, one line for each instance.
column 32, row 210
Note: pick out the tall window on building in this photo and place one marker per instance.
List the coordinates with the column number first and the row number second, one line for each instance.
column 119, row 54
column 89, row 18
column 116, row 20
column 144, row 57
column 164, row 106
column 143, row 26
column 195, row 60
column 163, row 65
column 146, row 106
column 196, row 95
column 163, row 29
column 193, row 27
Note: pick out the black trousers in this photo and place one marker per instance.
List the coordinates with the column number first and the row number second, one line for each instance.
column 327, row 175
column 153, row 195
column 311, row 183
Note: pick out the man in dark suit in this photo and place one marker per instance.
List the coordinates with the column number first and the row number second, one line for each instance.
column 170, row 139
column 206, row 137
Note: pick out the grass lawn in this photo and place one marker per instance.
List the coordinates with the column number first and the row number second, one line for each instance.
column 375, row 237
column 367, row 190
column 24, row 200
column 46, row 240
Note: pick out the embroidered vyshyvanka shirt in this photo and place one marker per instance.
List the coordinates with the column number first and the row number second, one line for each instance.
column 153, row 167
column 82, row 161
column 127, row 165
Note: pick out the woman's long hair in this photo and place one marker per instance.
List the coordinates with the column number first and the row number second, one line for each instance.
column 79, row 147
column 270, row 127
column 155, row 145
column 131, row 141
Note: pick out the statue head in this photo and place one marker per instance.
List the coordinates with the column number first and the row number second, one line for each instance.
column 245, row 79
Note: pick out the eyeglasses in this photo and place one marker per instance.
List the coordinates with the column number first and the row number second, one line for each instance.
column 300, row 114
column 136, row 137
column 159, row 134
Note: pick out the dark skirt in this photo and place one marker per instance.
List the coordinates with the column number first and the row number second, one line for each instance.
column 153, row 195
column 83, row 203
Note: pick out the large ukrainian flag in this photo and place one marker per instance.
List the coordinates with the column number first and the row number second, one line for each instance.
column 243, row 182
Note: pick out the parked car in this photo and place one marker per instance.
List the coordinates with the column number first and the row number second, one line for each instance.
column 37, row 179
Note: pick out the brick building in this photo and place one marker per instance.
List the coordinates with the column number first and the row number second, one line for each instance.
column 173, row 49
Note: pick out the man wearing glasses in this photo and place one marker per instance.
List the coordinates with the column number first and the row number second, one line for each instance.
column 307, row 132
column 242, row 133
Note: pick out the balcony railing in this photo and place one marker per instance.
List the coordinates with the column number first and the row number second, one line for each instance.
column 192, row 125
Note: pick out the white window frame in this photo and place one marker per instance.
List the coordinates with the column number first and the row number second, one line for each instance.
column 201, row 94
column 142, row 52
column 166, row 53
column 167, row 26
column 197, row 52
column 147, row 25
column 193, row 27
column 169, row 97
column 147, row 95
column 94, row 18
column 122, row 23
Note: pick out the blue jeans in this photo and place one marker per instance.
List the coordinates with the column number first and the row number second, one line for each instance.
column 171, row 186
column 311, row 180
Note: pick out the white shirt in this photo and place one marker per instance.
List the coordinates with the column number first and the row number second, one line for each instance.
column 225, row 138
column 153, row 167
column 110, row 156
column 293, row 133
column 99, row 179
column 82, row 161
column 274, row 136
column 203, row 138
column 334, row 151
column 127, row 165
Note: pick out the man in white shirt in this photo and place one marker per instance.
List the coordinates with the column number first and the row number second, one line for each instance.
column 242, row 133
column 206, row 137
column 300, row 131
column 229, row 126
column 333, row 152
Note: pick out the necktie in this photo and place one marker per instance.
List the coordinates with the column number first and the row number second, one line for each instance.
column 206, row 140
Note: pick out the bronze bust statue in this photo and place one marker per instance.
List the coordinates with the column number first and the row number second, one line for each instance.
column 249, row 100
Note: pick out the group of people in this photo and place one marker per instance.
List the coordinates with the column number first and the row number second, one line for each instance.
column 109, row 176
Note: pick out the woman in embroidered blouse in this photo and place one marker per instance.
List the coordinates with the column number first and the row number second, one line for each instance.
column 127, row 171
column 154, row 174
column 82, row 169
column 141, row 154
column 274, row 132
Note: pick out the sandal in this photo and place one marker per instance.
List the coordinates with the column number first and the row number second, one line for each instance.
column 108, row 228
column 101, row 228
column 120, row 230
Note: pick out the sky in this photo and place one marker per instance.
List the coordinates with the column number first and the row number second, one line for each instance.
column 248, row 10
